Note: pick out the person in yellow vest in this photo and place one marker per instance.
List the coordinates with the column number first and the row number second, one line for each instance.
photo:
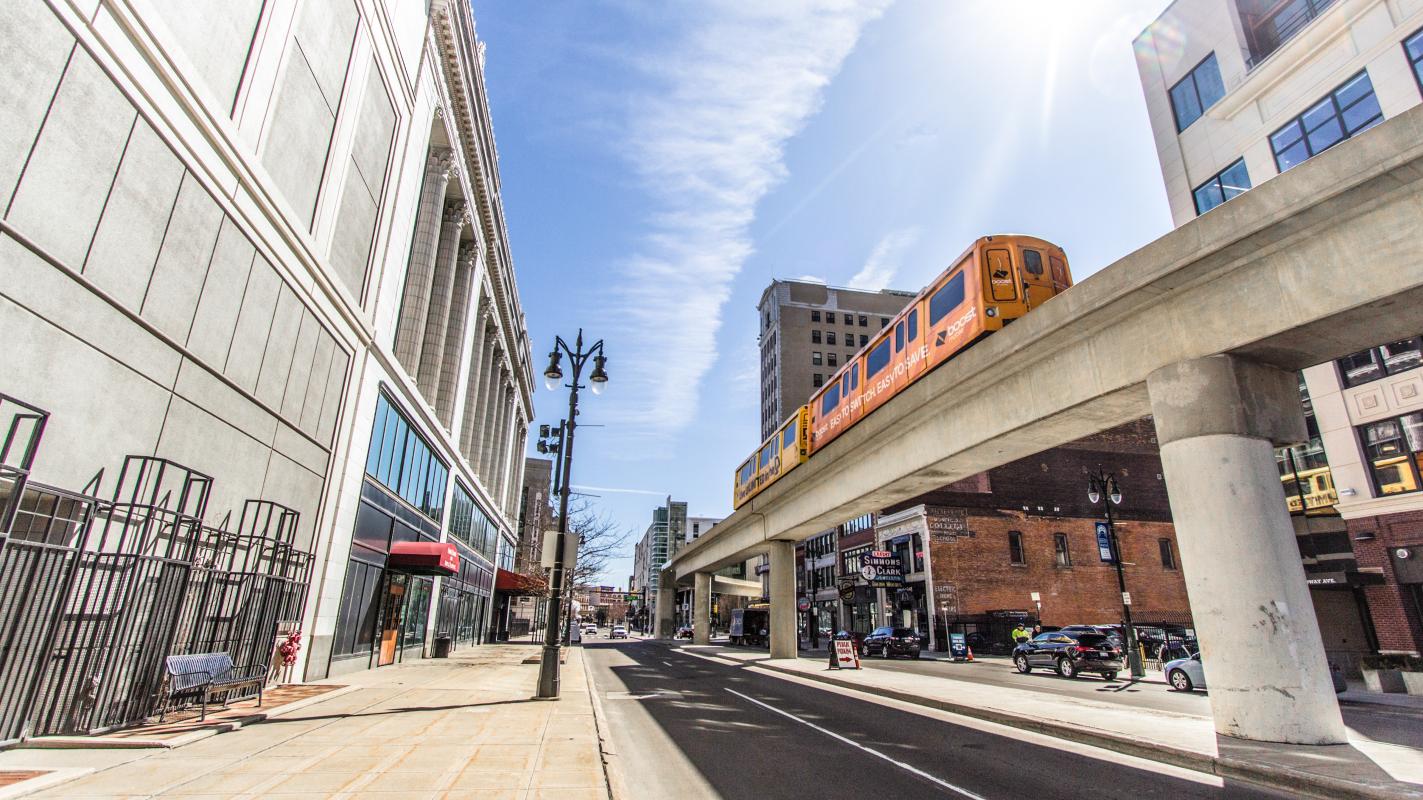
column 1020, row 635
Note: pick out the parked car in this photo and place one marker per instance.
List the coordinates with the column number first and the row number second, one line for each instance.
column 1070, row 652
column 618, row 632
column 684, row 632
column 1112, row 632
column 589, row 629
column 891, row 642
column 1185, row 674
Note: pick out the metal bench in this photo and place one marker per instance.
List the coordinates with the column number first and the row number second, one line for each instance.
column 203, row 675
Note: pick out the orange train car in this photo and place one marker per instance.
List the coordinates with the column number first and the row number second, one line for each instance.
column 995, row 281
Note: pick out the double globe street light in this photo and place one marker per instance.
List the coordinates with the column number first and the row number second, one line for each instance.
column 553, row 375
column 1105, row 483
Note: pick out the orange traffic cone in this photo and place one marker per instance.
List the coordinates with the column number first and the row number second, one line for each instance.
column 970, row 654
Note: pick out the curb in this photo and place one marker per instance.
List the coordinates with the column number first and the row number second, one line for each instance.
column 612, row 774
column 183, row 740
column 1304, row 783
column 55, row 776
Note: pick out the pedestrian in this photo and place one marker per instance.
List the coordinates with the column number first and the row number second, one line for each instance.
column 1037, row 629
column 1020, row 634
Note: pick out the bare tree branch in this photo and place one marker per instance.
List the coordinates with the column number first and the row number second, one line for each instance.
column 600, row 542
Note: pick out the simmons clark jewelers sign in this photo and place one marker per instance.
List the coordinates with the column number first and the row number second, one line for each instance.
column 881, row 570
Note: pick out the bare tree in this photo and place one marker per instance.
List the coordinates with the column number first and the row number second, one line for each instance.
column 601, row 540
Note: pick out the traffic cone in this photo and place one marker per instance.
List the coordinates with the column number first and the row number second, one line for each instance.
column 970, row 654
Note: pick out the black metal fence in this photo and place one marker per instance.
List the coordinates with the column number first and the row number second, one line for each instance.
column 94, row 593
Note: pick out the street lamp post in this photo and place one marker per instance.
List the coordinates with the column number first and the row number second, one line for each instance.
column 548, row 444
column 1100, row 485
column 577, row 359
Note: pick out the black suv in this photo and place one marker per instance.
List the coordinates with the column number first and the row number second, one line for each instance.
column 891, row 642
column 1070, row 652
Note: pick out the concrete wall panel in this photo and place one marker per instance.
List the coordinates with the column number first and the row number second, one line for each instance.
column 277, row 358
column 131, row 230
column 215, row 36
column 316, row 382
column 221, row 298
column 299, row 135
column 355, row 231
column 331, row 402
column 300, row 449
column 254, row 324
column 302, row 355
column 88, row 430
column 293, row 485
column 374, row 131
column 199, row 386
column 72, row 167
column 182, row 262
column 198, row 439
column 34, row 47
column 325, row 31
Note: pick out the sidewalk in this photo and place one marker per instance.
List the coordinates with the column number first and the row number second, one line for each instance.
column 1375, row 766
column 462, row 727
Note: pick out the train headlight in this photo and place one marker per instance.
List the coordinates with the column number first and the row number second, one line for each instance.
column 992, row 312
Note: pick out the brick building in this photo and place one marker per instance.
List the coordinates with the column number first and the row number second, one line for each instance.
column 1027, row 527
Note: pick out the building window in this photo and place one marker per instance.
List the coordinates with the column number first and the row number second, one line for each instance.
column 470, row 525
column 1232, row 181
column 832, row 359
column 1376, row 362
column 830, row 337
column 401, row 460
column 1015, row 548
column 815, row 358
column 1413, row 48
column 1394, row 449
column 814, row 315
column 1060, row 551
column 864, row 340
column 884, row 322
column 817, row 380
column 849, row 319
column 1198, row 91
column 864, row 321
column 815, row 337
column 1168, row 556
column 1347, row 111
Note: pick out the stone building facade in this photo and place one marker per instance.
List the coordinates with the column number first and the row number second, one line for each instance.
column 265, row 241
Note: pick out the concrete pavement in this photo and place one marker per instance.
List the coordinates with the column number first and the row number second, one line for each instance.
column 463, row 727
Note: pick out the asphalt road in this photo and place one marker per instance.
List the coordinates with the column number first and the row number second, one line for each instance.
column 688, row 727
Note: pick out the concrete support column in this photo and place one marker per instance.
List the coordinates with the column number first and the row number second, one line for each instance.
column 442, row 284
column 666, row 624
column 453, row 352
column 784, row 639
column 701, row 608
column 1218, row 420
column 410, row 330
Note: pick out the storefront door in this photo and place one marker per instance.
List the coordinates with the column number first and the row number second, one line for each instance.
column 391, row 613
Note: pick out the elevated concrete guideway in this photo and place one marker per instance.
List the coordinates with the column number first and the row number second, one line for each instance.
column 1324, row 260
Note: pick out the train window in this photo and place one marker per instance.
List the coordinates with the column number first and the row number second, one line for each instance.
column 830, row 399
column 855, row 377
column 914, row 325
column 899, row 337
column 878, row 359
column 745, row 474
column 1033, row 262
column 949, row 297
column 788, row 438
column 845, row 384
column 1059, row 269
column 766, row 453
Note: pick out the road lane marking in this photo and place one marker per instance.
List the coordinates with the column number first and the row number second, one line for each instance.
column 908, row 767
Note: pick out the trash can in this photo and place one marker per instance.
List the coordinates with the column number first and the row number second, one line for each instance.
column 442, row 646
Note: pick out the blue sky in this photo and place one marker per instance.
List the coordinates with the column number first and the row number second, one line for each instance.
column 662, row 162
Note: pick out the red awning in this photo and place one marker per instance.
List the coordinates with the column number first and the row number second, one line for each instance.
column 517, row 583
column 424, row 558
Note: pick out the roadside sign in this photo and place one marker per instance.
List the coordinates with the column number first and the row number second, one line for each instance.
column 958, row 646
column 1104, row 543
column 1036, row 598
column 803, row 604
column 1126, row 598
column 846, row 657
column 847, row 590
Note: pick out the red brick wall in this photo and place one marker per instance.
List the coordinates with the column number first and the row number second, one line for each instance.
column 983, row 578
column 1396, row 620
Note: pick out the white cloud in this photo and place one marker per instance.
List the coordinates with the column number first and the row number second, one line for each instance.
column 811, row 278
column 883, row 264
column 742, row 80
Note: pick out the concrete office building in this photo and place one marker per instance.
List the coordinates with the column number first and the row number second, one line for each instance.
column 1237, row 92
column 265, row 241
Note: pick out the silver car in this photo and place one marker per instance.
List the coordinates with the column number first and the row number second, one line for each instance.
column 1185, row 674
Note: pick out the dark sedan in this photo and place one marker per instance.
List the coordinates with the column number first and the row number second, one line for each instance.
column 1070, row 653
column 891, row 642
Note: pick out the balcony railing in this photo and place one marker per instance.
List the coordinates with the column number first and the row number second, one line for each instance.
column 1279, row 23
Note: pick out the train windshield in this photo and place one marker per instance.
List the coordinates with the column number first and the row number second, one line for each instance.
column 1033, row 262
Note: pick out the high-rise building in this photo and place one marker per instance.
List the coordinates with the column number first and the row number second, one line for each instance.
column 1238, row 91
column 265, row 261
column 807, row 332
